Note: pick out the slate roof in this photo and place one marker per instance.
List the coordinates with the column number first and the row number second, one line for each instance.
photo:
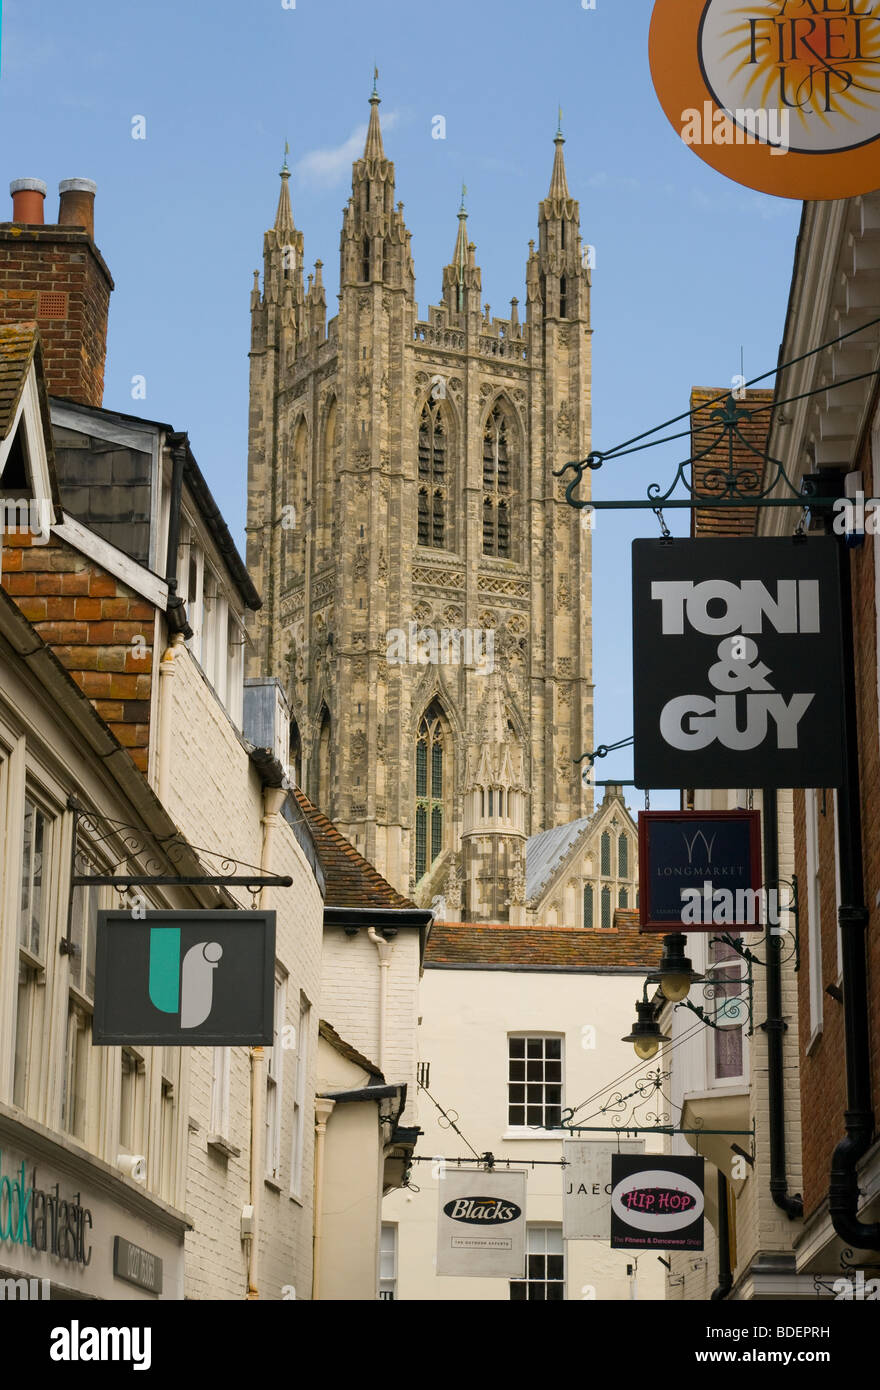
column 351, row 1054
column 728, row 521
column 486, row 946
column 546, row 850
column 351, row 880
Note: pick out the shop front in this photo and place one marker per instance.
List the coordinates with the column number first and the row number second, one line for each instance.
column 72, row 1226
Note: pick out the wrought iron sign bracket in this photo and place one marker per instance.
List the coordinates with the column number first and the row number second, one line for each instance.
column 724, row 485
column 162, row 854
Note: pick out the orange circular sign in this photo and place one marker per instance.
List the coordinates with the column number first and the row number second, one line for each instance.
column 780, row 95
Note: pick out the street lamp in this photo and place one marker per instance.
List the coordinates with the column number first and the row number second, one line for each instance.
column 645, row 1036
column 676, row 972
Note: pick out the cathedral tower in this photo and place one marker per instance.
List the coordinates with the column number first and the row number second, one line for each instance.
column 420, row 569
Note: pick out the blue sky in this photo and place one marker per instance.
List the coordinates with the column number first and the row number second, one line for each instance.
column 690, row 268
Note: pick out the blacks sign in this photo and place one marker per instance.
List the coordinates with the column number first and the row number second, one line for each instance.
column 656, row 1202
column 204, row 978
column 700, row 870
column 737, row 663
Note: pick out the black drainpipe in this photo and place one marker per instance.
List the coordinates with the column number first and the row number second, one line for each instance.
column 775, row 1026
column 176, row 609
column 725, row 1273
column 843, row 1190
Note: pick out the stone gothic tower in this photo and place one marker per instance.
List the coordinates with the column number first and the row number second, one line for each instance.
column 416, row 557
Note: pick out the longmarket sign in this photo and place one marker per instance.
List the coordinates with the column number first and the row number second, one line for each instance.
column 780, row 95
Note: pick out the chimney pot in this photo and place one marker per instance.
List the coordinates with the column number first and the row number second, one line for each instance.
column 77, row 204
column 27, row 200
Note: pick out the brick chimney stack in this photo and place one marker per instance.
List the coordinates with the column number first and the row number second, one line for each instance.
column 54, row 273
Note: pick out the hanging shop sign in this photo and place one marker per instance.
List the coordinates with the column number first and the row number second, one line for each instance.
column 780, row 95
column 737, row 663
column 586, row 1185
column 204, row 978
column 701, row 871
column 481, row 1228
column 656, row 1202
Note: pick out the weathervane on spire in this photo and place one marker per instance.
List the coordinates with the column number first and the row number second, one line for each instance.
column 375, row 80
column 463, row 209
column 284, row 168
column 559, row 127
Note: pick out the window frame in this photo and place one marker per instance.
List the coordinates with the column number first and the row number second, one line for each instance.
column 385, row 1295
column 29, row 1031
column 522, row 1129
column 274, row 1081
column 541, row 1233
column 298, row 1108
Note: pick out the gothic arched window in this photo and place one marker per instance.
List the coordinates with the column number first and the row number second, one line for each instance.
column 431, row 770
column 606, row 907
column 500, row 478
column 433, row 476
column 365, row 263
column 623, row 898
column 563, row 296
column 293, row 503
column 605, row 853
column 622, row 856
column 326, row 483
column 588, row 904
column 294, row 758
column 321, row 778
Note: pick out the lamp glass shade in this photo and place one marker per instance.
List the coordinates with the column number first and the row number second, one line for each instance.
column 646, row 1047
column 676, row 985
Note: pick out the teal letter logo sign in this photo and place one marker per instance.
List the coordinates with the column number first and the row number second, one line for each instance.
column 200, row 978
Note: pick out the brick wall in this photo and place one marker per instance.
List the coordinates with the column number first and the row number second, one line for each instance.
column 36, row 262
column 89, row 618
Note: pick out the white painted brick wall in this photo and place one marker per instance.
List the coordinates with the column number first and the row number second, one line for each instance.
column 216, row 799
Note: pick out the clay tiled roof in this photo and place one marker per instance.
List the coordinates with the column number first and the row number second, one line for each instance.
column 481, row 945
column 351, row 879
column 748, row 453
column 18, row 343
column 19, row 346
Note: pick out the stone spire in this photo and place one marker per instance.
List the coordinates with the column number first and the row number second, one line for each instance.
column 558, row 181
column 373, row 148
column 462, row 273
column 284, row 223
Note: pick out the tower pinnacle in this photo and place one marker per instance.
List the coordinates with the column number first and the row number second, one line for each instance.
column 373, row 148
column 558, row 181
column 284, row 223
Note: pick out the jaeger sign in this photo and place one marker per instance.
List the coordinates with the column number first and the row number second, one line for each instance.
column 737, row 663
